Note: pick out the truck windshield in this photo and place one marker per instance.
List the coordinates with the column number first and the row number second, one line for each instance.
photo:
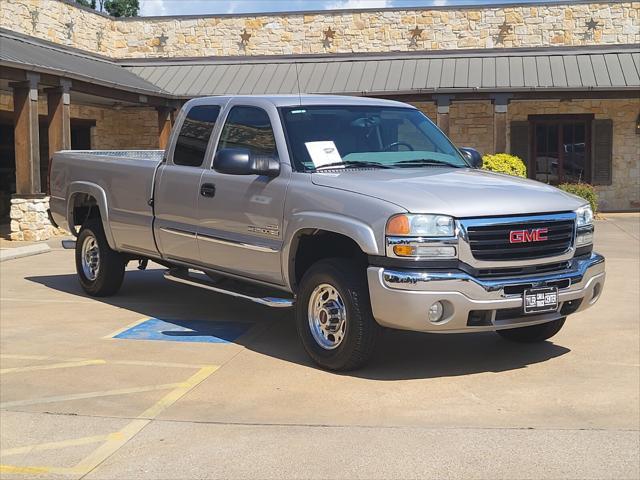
column 346, row 136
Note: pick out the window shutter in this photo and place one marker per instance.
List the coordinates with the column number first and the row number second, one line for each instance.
column 520, row 140
column 601, row 152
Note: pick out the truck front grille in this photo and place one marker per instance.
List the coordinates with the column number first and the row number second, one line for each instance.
column 492, row 242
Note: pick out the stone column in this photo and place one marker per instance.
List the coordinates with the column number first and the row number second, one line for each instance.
column 164, row 126
column 500, row 107
column 27, row 140
column 58, row 104
column 443, row 102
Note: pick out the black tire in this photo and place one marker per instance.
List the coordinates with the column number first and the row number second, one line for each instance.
column 534, row 333
column 110, row 273
column 360, row 328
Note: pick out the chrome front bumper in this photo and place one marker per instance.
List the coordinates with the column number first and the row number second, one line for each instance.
column 401, row 298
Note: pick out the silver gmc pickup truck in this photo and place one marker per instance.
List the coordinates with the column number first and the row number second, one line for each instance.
column 359, row 213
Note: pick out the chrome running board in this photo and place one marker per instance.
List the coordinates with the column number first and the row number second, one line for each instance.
column 182, row 276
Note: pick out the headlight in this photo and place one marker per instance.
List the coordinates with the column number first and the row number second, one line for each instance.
column 584, row 222
column 584, row 216
column 421, row 225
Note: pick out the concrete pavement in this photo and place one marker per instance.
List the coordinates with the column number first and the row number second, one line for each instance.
column 77, row 403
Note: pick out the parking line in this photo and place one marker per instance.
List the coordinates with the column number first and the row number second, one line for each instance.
column 132, row 429
column 52, row 366
column 24, row 357
column 82, row 396
column 24, row 470
column 54, row 445
column 144, row 363
column 114, row 441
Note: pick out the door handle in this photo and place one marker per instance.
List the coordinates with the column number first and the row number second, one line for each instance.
column 208, row 190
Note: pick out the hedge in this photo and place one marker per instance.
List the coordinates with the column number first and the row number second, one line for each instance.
column 504, row 163
column 583, row 190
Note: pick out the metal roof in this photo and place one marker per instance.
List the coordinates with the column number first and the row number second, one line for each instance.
column 499, row 70
column 604, row 68
column 35, row 55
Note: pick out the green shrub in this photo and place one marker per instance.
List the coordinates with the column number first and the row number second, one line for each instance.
column 583, row 190
column 504, row 163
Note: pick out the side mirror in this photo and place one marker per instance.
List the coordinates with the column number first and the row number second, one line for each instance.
column 240, row 161
column 472, row 155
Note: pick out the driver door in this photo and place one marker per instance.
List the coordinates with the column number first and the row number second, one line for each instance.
column 240, row 218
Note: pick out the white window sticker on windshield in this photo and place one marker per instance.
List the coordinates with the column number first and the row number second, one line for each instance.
column 323, row 153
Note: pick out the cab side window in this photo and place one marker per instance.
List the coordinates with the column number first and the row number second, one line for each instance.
column 248, row 128
column 194, row 135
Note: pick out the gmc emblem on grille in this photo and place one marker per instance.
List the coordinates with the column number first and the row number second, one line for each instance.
column 526, row 236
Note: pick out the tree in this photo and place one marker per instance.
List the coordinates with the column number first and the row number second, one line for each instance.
column 122, row 8
column 87, row 3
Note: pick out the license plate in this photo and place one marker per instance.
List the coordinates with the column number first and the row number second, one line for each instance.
column 538, row 300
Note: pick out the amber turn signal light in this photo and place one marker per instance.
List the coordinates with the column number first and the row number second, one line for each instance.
column 403, row 250
column 398, row 225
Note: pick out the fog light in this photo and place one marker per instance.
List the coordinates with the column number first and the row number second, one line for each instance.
column 435, row 312
column 435, row 251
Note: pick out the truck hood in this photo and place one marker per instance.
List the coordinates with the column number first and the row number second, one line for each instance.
column 459, row 192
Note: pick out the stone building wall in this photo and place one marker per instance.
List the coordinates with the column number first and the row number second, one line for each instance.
column 302, row 33
column 124, row 128
column 624, row 192
column 428, row 108
column 471, row 125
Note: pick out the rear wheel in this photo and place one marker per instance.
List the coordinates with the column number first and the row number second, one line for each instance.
column 100, row 269
column 534, row 333
column 333, row 315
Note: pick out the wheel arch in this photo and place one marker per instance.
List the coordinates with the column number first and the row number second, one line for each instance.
column 308, row 245
column 84, row 195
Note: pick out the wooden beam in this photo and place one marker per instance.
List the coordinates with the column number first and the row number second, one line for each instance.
column 518, row 95
column 164, row 126
column 58, row 103
column 121, row 95
column 13, row 74
column 27, row 139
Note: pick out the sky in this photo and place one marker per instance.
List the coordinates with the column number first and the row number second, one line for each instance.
column 202, row 7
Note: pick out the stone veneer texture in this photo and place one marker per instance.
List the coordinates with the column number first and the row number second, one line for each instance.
column 302, row 33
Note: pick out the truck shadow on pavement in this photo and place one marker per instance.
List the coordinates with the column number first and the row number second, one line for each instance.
column 399, row 355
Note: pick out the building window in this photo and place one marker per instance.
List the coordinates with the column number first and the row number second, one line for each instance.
column 561, row 148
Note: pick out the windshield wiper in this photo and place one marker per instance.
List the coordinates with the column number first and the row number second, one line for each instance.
column 425, row 161
column 351, row 164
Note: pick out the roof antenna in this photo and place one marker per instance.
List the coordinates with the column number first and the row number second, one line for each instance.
column 298, row 83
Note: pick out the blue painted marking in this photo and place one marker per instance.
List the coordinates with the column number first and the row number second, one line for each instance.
column 186, row 331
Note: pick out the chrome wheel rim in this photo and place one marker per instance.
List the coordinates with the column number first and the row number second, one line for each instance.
column 327, row 316
column 90, row 258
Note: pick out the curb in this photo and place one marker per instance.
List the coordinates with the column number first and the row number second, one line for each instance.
column 19, row 252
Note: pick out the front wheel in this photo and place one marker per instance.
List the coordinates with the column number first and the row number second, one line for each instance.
column 100, row 269
column 534, row 333
column 333, row 315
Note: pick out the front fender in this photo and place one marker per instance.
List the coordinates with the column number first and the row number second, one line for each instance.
column 100, row 195
column 355, row 229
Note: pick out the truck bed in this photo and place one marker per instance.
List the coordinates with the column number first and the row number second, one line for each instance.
column 122, row 179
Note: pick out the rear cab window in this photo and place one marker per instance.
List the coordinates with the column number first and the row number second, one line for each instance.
column 194, row 135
